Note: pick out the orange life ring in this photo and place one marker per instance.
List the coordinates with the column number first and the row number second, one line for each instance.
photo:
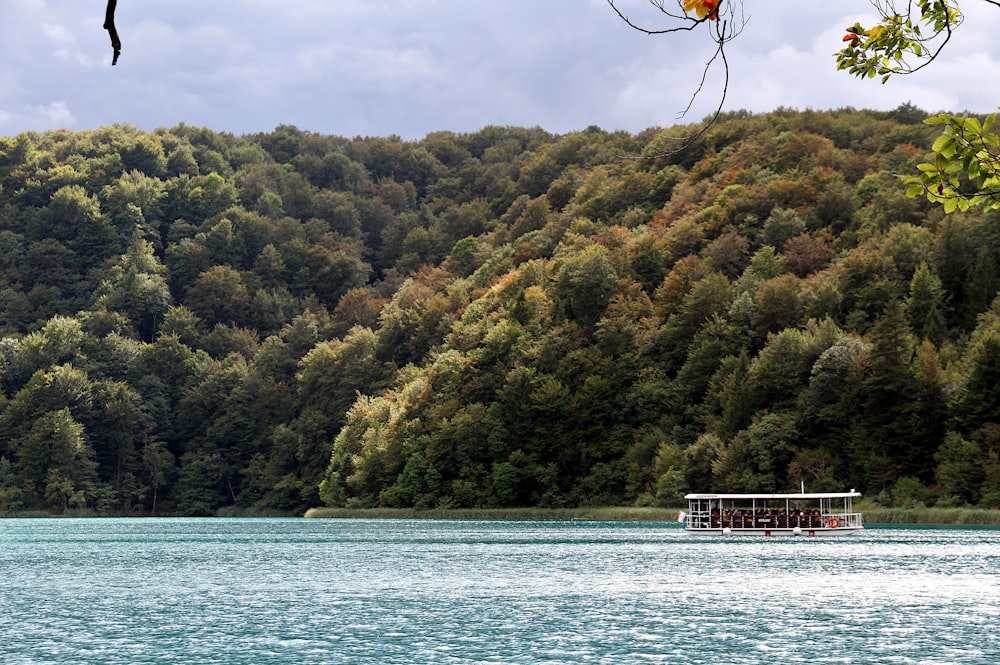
column 833, row 522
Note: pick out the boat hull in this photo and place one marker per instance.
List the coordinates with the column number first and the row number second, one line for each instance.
column 794, row 532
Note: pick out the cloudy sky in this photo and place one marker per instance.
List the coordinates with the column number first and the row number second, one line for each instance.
column 409, row 67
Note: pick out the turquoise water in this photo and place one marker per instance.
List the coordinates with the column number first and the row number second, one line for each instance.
column 385, row 591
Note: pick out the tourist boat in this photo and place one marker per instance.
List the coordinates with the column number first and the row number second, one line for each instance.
column 803, row 514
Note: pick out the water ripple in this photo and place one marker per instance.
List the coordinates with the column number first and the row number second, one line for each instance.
column 165, row 591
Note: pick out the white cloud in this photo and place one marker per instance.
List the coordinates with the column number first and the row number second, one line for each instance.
column 57, row 114
column 415, row 66
column 65, row 45
column 52, row 115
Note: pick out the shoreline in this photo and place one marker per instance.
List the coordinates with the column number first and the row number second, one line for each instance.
column 966, row 516
column 872, row 514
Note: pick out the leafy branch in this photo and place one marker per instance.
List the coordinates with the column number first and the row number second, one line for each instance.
column 898, row 44
column 965, row 172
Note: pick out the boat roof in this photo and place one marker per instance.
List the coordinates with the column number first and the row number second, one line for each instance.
column 798, row 495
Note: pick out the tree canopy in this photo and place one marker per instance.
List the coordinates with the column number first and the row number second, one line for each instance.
column 195, row 322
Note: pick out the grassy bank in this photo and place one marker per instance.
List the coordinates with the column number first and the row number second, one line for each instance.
column 923, row 515
column 873, row 514
column 606, row 513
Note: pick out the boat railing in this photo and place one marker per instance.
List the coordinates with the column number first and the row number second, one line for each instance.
column 844, row 519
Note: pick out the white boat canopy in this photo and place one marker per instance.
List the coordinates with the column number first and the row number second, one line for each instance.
column 802, row 496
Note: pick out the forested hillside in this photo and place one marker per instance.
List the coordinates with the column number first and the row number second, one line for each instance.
column 193, row 320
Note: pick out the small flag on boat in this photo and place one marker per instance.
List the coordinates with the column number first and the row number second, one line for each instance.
column 681, row 516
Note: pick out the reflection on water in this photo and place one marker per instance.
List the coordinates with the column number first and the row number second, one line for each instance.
column 395, row 591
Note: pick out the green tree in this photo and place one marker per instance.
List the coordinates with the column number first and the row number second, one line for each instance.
column 777, row 305
column 70, row 208
column 781, row 226
column 583, row 284
column 700, row 458
column 202, row 484
column 960, row 469
column 54, row 461
column 330, row 377
column 209, row 196
column 137, row 287
column 898, row 440
column 925, row 305
column 11, row 495
column 980, row 287
column 779, row 372
column 59, row 341
column 144, row 193
column 219, row 296
column 979, row 401
column 159, row 467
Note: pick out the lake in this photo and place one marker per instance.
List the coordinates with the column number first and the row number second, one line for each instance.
column 258, row 591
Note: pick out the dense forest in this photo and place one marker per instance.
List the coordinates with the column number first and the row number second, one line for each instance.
column 193, row 321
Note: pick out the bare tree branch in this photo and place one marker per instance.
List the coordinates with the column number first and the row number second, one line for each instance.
column 109, row 25
column 686, row 141
column 725, row 24
column 690, row 23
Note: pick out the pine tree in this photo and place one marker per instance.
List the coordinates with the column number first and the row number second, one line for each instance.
column 925, row 305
